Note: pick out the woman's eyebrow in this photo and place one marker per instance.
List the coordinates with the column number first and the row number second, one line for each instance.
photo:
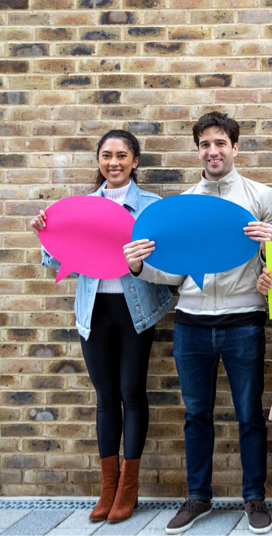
column 110, row 152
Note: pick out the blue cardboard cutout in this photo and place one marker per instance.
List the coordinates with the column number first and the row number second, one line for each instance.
column 196, row 235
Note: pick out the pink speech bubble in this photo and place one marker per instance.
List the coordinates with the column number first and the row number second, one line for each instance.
column 87, row 234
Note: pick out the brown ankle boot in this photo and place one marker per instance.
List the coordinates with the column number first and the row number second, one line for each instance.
column 110, row 476
column 127, row 493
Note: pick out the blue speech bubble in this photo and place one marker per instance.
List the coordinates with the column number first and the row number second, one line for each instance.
column 196, row 235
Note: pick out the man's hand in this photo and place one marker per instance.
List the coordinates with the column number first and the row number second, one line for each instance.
column 136, row 252
column 38, row 223
column 259, row 231
column 264, row 282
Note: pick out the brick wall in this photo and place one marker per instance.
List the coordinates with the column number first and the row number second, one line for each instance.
column 69, row 71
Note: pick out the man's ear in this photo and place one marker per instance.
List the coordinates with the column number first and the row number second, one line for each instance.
column 235, row 149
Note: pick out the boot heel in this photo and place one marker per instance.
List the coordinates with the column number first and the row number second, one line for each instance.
column 136, row 504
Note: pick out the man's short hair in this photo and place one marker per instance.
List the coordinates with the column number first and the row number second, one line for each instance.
column 216, row 119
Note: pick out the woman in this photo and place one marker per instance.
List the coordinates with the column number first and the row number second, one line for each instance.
column 116, row 320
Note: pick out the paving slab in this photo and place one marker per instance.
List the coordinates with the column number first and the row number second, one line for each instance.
column 79, row 520
column 243, row 523
column 71, row 532
column 130, row 527
column 9, row 517
column 157, row 526
column 218, row 523
column 152, row 532
column 37, row 523
column 243, row 533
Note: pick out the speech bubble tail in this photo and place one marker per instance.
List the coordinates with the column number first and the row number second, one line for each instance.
column 198, row 279
column 63, row 272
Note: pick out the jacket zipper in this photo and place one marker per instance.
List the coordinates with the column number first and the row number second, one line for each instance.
column 214, row 282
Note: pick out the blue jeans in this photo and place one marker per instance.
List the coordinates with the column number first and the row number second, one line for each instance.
column 197, row 352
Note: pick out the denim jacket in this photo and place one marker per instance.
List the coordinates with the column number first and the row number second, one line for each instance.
column 147, row 302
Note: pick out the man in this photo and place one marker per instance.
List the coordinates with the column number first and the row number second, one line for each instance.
column 226, row 318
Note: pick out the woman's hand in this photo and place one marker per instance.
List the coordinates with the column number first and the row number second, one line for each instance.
column 264, row 282
column 136, row 252
column 259, row 231
column 38, row 223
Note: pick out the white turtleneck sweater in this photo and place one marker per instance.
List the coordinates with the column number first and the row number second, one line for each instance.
column 113, row 286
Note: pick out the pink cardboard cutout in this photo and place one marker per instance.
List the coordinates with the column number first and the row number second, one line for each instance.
column 86, row 234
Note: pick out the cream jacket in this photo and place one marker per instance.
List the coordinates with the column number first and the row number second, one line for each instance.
column 235, row 290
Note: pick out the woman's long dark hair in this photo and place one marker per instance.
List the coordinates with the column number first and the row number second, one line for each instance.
column 132, row 144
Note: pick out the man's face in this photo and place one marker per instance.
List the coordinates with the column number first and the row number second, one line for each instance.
column 216, row 153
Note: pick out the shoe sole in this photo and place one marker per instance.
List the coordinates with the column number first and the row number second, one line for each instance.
column 259, row 531
column 118, row 520
column 187, row 527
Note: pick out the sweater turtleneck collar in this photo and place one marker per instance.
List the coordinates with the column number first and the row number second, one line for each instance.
column 116, row 194
column 229, row 179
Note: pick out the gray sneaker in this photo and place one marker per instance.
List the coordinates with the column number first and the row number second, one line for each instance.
column 258, row 516
column 189, row 512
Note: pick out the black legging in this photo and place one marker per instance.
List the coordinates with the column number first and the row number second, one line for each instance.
column 117, row 361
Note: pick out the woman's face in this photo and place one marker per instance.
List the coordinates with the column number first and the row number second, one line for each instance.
column 116, row 161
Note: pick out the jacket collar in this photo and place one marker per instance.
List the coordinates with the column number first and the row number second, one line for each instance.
column 132, row 198
column 228, row 180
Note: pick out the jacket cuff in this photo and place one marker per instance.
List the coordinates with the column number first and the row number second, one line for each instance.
column 136, row 274
column 263, row 261
column 146, row 271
